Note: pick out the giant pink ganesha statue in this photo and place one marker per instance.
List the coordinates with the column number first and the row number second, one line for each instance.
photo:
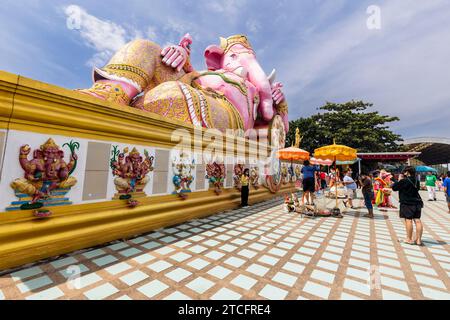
column 234, row 93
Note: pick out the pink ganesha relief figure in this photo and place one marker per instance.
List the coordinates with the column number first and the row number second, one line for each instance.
column 234, row 93
column 46, row 172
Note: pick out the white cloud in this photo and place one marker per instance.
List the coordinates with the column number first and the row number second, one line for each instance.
column 253, row 25
column 105, row 37
column 152, row 34
column 229, row 8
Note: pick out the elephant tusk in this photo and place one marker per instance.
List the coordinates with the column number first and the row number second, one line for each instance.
column 272, row 76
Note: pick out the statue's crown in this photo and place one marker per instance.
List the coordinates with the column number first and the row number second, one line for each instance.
column 227, row 43
column 134, row 152
column 49, row 144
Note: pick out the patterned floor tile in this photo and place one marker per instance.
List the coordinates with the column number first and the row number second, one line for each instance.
column 323, row 276
column 118, row 268
column 26, row 273
column 177, row 296
column 153, row 288
column 234, row 262
column 390, row 295
column 219, row 272
column 357, row 286
column 244, row 282
column 159, row 266
column 31, row 285
column 257, row 253
column 273, row 293
column 200, row 285
column 285, row 279
column 101, row 292
column 198, row 264
column 178, row 275
column 258, row 270
column 435, row 294
column 317, row 290
column 132, row 278
column 105, row 260
column 49, row 294
column 226, row 294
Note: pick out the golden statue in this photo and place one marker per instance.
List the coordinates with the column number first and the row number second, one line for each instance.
column 298, row 138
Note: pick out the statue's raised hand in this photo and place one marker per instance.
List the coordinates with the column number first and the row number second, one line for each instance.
column 25, row 150
column 176, row 56
column 277, row 94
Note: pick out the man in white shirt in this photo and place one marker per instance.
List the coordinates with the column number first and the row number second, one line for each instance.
column 350, row 186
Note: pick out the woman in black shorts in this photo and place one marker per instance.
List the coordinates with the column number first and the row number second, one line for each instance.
column 411, row 204
column 309, row 182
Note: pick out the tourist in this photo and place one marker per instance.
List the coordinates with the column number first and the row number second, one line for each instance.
column 446, row 186
column 323, row 180
column 440, row 182
column 411, row 204
column 308, row 172
column 430, row 183
column 367, row 191
column 244, row 187
column 350, row 188
column 332, row 178
column 317, row 184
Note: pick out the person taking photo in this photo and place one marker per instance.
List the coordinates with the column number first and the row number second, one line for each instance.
column 411, row 204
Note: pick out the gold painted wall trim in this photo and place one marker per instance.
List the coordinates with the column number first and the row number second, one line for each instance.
column 8, row 85
column 25, row 240
column 44, row 108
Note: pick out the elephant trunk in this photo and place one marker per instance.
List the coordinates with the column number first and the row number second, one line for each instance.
column 258, row 78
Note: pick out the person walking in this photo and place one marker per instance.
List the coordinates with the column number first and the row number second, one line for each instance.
column 430, row 183
column 309, row 187
column 367, row 191
column 446, row 186
column 411, row 204
column 245, row 178
column 350, row 187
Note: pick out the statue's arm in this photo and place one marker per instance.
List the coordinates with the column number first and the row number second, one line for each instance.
column 177, row 56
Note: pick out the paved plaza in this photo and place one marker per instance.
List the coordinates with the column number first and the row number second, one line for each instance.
column 255, row 253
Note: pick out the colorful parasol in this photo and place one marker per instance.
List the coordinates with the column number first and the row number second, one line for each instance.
column 321, row 162
column 336, row 152
column 293, row 154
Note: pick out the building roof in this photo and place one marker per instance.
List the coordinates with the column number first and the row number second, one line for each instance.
column 434, row 150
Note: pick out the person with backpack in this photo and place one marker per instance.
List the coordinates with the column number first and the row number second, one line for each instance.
column 411, row 204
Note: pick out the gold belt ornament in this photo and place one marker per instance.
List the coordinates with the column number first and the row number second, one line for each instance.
column 136, row 74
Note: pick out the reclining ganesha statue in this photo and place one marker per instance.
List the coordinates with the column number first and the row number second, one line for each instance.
column 234, row 93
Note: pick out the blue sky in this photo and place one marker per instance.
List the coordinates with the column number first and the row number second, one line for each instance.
column 322, row 49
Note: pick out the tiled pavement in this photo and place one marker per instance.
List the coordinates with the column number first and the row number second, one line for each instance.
column 255, row 253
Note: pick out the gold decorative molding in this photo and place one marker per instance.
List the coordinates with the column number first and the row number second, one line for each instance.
column 8, row 85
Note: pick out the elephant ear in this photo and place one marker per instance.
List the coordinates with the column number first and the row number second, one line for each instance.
column 214, row 57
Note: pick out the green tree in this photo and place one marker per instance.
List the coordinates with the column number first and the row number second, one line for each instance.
column 350, row 124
